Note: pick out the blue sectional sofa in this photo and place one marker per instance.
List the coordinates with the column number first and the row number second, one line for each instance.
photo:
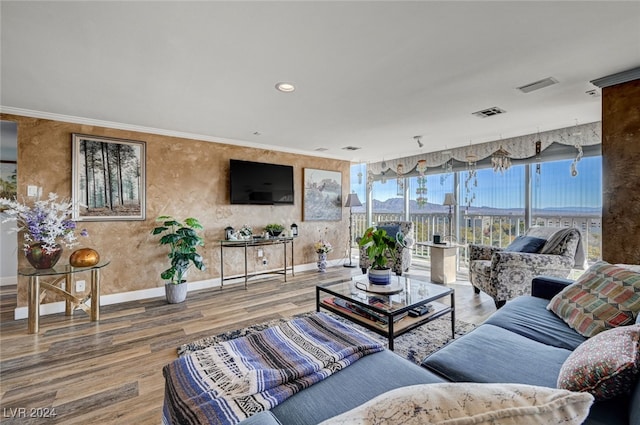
column 522, row 343
column 525, row 343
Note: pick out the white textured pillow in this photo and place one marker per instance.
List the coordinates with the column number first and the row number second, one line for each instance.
column 470, row 403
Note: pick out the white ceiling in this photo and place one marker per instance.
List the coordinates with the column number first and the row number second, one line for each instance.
column 367, row 74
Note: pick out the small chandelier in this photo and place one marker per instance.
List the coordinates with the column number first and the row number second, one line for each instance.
column 500, row 160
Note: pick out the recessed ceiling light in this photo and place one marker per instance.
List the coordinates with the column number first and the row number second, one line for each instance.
column 285, row 87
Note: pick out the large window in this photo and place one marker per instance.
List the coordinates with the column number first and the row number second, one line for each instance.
column 561, row 199
column 492, row 206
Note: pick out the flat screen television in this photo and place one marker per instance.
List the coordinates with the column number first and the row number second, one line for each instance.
column 259, row 183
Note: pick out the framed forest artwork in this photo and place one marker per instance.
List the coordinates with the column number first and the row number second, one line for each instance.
column 108, row 178
column 8, row 179
column 322, row 199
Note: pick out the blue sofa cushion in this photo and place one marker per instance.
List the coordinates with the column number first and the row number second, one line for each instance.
column 526, row 244
column 493, row 354
column 634, row 405
column 363, row 380
column 262, row 418
column 528, row 316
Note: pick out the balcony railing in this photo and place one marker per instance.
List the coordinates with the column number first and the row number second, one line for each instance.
column 496, row 230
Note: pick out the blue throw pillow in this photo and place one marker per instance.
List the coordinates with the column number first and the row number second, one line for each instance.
column 392, row 230
column 526, row 244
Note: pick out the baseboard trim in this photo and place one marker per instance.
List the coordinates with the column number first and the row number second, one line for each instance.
column 143, row 294
column 8, row 280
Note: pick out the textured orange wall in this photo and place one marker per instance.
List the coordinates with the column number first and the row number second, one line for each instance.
column 621, row 173
column 183, row 178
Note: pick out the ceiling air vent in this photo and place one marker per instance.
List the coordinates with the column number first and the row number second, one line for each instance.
column 489, row 112
column 351, row 148
column 527, row 88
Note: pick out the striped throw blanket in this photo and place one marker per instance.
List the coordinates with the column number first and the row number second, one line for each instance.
column 235, row 379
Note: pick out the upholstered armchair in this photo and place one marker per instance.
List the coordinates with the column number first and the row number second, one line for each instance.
column 507, row 273
column 401, row 260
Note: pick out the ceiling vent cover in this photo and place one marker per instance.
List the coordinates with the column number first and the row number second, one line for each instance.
column 489, row 112
column 351, row 148
column 527, row 88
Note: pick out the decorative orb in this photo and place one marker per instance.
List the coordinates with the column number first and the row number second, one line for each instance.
column 84, row 257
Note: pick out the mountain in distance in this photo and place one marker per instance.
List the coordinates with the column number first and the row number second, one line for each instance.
column 396, row 206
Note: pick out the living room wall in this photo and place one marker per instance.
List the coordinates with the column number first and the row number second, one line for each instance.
column 184, row 178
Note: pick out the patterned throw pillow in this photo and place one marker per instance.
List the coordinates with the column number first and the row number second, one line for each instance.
column 606, row 365
column 604, row 297
column 470, row 403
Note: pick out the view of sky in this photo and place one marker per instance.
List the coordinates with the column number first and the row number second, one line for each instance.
column 554, row 187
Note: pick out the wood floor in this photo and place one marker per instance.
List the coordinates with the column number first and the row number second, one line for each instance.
column 111, row 372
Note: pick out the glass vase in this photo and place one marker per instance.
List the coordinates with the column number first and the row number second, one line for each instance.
column 41, row 258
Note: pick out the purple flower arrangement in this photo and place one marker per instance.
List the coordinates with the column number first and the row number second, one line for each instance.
column 47, row 222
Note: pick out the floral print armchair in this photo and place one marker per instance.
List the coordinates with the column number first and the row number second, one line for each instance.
column 504, row 275
column 403, row 255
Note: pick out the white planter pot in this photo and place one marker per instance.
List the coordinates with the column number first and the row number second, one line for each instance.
column 380, row 277
column 176, row 293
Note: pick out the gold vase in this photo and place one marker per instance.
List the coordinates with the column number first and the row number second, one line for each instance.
column 84, row 257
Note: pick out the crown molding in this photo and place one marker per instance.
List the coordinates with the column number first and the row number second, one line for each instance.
column 151, row 130
column 619, row 78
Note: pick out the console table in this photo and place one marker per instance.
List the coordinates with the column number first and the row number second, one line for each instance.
column 61, row 273
column 256, row 242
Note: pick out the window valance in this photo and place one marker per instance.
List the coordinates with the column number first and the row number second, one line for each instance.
column 553, row 144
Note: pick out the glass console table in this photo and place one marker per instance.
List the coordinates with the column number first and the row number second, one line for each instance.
column 256, row 242
column 58, row 274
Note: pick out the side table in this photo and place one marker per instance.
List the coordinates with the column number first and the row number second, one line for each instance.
column 256, row 242
column 444, row 259
column 61, row 273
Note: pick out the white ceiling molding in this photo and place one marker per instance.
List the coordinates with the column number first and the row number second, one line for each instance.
column 619, row 78
column 521, row 147
column 162, row 132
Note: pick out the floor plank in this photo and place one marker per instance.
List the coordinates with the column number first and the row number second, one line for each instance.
column 111, row 372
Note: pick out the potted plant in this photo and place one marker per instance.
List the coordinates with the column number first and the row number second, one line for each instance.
column 274, row 229
column 378, row 245
column 183, row 241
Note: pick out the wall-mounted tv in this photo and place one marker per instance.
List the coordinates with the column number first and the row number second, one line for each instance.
column 259, row 183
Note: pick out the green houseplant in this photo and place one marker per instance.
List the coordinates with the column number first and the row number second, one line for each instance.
column 183, row 242
column 379, row 246
column 274, row 229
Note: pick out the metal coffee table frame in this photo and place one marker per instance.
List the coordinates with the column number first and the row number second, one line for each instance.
column 416, row 293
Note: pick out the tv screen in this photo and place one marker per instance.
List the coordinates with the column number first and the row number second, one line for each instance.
column 259, row 183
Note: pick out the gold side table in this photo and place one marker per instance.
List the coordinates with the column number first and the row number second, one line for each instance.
column 62, row 273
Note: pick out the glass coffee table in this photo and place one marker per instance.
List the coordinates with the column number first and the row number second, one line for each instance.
column 385, row 309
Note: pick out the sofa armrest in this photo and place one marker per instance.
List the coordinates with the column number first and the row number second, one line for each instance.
column 547, row 287
column 482, row 252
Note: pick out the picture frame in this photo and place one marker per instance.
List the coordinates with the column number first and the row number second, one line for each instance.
column 108, row 178
column 8, row 179
column 322, row 199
